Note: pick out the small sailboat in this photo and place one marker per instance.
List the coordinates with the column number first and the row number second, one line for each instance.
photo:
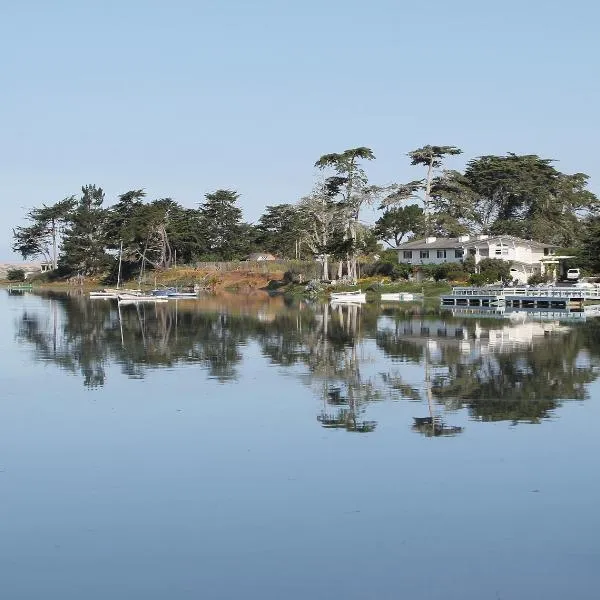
column 357, row 297
column 113, row 293
column 103, row 295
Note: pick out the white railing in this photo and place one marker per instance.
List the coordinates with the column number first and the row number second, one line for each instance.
column 530, row 292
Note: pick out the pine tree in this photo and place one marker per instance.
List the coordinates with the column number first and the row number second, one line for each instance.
column 83, row 246
column 220, row 223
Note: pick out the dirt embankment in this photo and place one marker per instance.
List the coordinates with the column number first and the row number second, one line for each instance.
column 241, row 281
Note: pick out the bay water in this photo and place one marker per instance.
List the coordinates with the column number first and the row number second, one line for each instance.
column 244, row 447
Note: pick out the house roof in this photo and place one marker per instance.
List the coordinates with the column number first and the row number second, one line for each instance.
column 438, row 243
column 446, row 243
column 509, row 238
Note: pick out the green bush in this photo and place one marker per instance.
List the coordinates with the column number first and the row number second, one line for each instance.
column 15, row 275
column 537, row 278
column 478, row 279
column 401, row 271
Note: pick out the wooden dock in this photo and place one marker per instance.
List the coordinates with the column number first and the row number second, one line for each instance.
column 520, row 297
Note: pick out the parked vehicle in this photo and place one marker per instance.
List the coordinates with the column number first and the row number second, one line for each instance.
column 573, row 274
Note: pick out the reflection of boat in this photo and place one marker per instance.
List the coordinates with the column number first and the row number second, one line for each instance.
column 356, row 296
column 399, row 297
column 434, row 427
column 136, row 298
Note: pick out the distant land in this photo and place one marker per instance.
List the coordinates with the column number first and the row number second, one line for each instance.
column 26, row 266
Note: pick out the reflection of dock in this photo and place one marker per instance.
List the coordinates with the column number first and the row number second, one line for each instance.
column 520, row 297
column 535, row 314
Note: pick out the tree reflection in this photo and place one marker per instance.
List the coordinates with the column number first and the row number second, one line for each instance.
column 351, row 356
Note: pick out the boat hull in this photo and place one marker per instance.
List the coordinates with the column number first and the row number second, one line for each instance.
column 357, row 296
column 398, row 297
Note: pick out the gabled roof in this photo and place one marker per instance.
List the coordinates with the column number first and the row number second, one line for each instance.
column 438, row 244
column 508, row 238
column 452, row 242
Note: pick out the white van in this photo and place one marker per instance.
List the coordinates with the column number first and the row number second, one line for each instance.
column 573, row 274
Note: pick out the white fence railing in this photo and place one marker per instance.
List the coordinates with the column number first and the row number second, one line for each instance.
column 587, row 293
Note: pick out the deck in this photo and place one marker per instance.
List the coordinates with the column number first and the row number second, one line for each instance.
column 520, row 297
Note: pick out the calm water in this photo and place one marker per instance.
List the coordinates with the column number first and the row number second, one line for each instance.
column 243, row 448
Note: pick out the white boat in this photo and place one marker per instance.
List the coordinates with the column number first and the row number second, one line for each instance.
column 356, row 296
column 398, row 297
column 113, row 293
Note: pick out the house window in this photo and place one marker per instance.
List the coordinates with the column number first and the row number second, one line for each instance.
column 407, row 254
column 424, row 253
column 441, row 254
column 502, row 249
column 458, row 253
column 472, row 251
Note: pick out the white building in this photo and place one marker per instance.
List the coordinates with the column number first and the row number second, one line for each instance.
column 526, row 256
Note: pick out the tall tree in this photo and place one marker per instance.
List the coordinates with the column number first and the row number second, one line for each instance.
column 350, row 183
column 122, row 221
column 431, row 157
column 220, row 223
column 279, row 230
column 83, row 249
column 322, row 224
column 41, row 237
column 522, row 195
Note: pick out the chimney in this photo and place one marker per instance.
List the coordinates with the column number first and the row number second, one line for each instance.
column 463, row 238
column 430, row 240
column 483, row 237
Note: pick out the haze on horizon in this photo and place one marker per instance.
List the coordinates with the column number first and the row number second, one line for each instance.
column 185, row 97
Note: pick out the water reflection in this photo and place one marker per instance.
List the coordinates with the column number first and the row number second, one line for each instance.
column 352, row 357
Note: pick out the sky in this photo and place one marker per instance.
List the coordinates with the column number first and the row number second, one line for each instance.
column 184, row 97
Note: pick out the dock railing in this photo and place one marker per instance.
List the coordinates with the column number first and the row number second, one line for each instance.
column 587, row 293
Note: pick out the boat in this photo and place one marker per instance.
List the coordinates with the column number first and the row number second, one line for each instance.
column 113, row 293
column 356, row 296
column 398, row 297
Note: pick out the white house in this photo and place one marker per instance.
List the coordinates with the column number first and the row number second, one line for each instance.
column 526, row 256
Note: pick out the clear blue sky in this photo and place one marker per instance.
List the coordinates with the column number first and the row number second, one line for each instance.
column 182, row 97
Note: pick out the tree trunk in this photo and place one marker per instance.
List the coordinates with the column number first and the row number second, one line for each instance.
column 326, row 267
column 427, row 195
column 54, row 251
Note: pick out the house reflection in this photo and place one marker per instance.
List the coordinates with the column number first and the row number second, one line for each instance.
column 352, row 357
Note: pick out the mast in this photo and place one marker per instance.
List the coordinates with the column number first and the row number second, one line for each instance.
column 120, row 262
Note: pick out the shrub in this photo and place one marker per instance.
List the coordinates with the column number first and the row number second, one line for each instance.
column 15, row 275
column 478, row 279
column 293, row 276
column 401, row 271
column 537, row 278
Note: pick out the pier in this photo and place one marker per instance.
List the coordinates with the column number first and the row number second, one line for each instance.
column 521, row 297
